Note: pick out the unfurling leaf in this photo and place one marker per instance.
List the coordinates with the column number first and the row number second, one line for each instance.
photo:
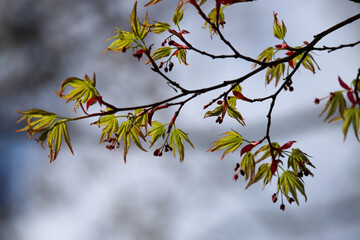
column 266, row 55
column 351, row 116
column 178, row 15
column 44, row 121
column 336, row 102
column 230, row 142
column 111, row 126
column 275, row 72
column 177, row 138
column 54, row 139
column 248, row 165
column 289, row 182
column 298, row 161
column 83, row 90
column 159, row 27
column 181, row 55
column 266, row 149
column 216, row 112
column 124, row 40
column 232, row 112
column 152, row 2
column 279, row 30
column 158, row 130
column 264, row 171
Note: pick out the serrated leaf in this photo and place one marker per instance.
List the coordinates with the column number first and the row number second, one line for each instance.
column 266, row 149
column 290, row 183
column 212, row 18
column 275, row 73
column 248, row 165
column 262, row 172
column 159, row 27
column 233, row 113
column 181, row 55
column 230, row 143
column 44, row 120
column 158, row 130
column 125, row 40
column 54, row 139
column 351, row 116
column 161, row 53
column 336, row 103
column 216, row 112
column 279, row 30
column 177, row 138
column 111, row 126
column 83, row 90
column 298, row 160
column 178, row 15
column 266, row 55
column 134, row 22
column 152, row 2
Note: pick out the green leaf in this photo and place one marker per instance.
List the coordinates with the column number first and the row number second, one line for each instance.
column 152, row 2
column 145, row 27
column 134, row 22
column 279, row 30
column 216, row 112
column 351, row 116
column 264, row 171
column 111, row 126
column 124, row 40
column 181, row 55
column 130, row 130
column 161, row 53
column 54, row 139
column 83, row 90
column 233, row 112
column 177, row 138
column 230, row 142
column 298, row 160
column 178, row 15
column 212, row 18
column 336, row 103
column 290, row 183
column 44, row 120
column 275, row 72
column 266, row 149
column 158, row 130
column 308, row 62
column 265, row 56
column 248, row 165
column 159, row 27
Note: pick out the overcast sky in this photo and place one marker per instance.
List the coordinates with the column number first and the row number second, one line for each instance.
column 94, row 195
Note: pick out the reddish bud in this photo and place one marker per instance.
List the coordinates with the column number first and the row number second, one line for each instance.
column 219, row 102
column 171, row 42
column 287, row 145
column 317, row 101
column 242, row 172
column 240, row 96
column 282, row 207
column 248, row 147
column 235, row 177
column 343, row 84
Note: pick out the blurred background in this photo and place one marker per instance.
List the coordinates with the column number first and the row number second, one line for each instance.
column 94, row 195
